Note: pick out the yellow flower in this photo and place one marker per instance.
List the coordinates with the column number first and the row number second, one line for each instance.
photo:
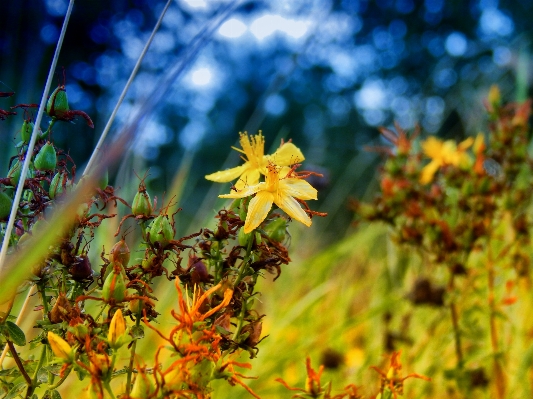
column 278, row 188
column 60, row 347
column 253, row 148
column 444, row 153
column 117, row 328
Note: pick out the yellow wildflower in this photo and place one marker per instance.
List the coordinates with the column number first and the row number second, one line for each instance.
column 278, row 188
column 253, row 148
column 60, row 347
column 117, row 329
column 444, row 153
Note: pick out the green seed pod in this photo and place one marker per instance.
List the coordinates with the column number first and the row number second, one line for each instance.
column 57, row 104
column 114, row 285
column 276, row 229
column 14, row 173
column 242, row 211
column 143, row 387
column 104, row 180
column 26, row 131
column 46, row 159
column 5, row 205
column 141, row 206
column 120, row 253
column 161, row 230
column 59, row 185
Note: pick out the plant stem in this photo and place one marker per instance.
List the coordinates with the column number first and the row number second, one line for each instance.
column 133, row 347
column 18, row 362
column 33, row 385
column 57, row 384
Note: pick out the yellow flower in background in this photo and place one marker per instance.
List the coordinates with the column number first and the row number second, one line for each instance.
column 278, row 188
column 253, row 148
column 60, row 347
column 444, row 153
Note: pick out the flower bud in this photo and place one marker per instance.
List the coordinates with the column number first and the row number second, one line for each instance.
column 276, row 229
column 60, row 347
column 57, row 104
column 46, row 159
column 161, row 231
column 5, row 205
column 141, row 206
column 114, row 285
column 14, row 173
column 117, row 329
column 198, row 270
column 120, row 253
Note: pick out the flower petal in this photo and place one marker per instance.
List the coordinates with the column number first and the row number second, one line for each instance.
column 258, row 210
column 245, row 192
column 287, row 154
column 249, row 178
column 228, row 175
column 298, row 188
column 429, row 171
column 293, row 209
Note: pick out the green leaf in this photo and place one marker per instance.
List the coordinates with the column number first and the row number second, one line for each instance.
column 15, row 391
column 52, row 395
column 15, row 334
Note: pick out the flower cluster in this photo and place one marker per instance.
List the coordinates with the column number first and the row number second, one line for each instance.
column 283, row 186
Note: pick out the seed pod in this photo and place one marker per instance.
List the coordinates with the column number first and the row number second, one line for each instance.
column 143, row 387
column 5, row 205
column 46, row 159
column 59, row 185
column 141, row 206
column 161, row 231
column 104, row 180
column 114, row 285
column 276, row 229
column 57, row 104
column 198, row 270
column 26, row 131
column 120, row 253
column 81, row 268
column 14, row 173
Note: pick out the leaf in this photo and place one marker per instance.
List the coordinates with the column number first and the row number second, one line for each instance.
column 15, row 334
column 15, row 391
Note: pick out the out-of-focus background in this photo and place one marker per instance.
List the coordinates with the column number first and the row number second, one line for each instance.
column 323, row 73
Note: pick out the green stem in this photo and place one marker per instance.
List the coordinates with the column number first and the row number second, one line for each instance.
column 62, row 379
column 108, row 389
column 240, row 322
column 133, row 347
column 18, row 362
column 33, row 385
column 245, row 261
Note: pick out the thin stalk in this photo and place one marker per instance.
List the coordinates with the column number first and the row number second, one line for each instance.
column 31, row 388
column 18, row 362
column 34, row 135
column 61, row 380
column 107, row 127
column 133, row 347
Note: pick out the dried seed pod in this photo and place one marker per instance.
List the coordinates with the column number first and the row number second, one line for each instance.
column 120, row 253
column 81, row 269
